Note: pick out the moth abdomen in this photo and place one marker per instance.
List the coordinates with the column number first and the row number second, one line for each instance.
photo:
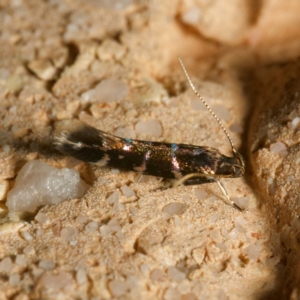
column 85, row 144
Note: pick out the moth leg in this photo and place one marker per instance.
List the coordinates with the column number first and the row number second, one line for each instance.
column 140, row 175
column 226, row 195
column 208, row 176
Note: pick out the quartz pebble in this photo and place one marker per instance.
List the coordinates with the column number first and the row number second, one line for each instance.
column 81, row 276
column 201, row 194
column 69, row 233
column 92, row 226
column 151, row 128
column 279, row 148
column 192, row 16
column 41, row 218
column 26, row 235
column 21, row 260
column 57, row 281
column 46, row 265
column 127, row 191
column 14, row 279
column 117, row 287
column 107, row 90
column 175, row 208
column 6, row 265
column 39, row 184
column 175, row 274
column 172, row 294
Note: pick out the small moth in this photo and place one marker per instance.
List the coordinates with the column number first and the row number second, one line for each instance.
column 189, row 164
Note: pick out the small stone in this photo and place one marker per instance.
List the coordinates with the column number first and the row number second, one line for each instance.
column 172, row 294
column 150, row 128
column 14, row 279
column 127, row 191
column 117, row 287
column 113, row 198
column 81, row 276
column 56, row 282
column 81, row 219
column 69, row 233
column 105, row 230
column 4, row 188
column 21, row 260
column 192, row 16
column 41, row 218
column 91, row 226
column 157, row 275
column 279, row 148
column 26, row 235
column 252, row 251
column 39, row 184
column 175, row 275
column 201, row 194
column 114, row 225
column 6, row 265
column 43, row 68
column 175, row 208
column 46, row 265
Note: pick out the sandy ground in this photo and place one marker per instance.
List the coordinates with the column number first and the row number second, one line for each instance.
column 183, row 243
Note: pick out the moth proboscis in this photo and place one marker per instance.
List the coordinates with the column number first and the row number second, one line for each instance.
column 189, row 164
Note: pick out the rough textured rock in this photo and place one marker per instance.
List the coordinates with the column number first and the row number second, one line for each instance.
column 123, row 239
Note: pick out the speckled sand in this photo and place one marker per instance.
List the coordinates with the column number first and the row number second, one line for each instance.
column 113, row 65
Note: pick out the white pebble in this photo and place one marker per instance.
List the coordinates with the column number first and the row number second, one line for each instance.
column 69, row 233
column 21, row 260
column 39, row 184
column 157, row 275
column 41, row 218
column 252, row 251
column 221, row 246
column 242, row 202
column 172, row 294
column 6, row 265
column 127, row 191
column 92, row 226
column 192, row 16
column 279, row 148
column 115, row 171
column 114, row 225
column 225, row 233
column 175, row 208
column 117, row 287
column 109, row 90
column 214, row 235
column 81, row 276
column 57, row 281
column 28, row 250
column 46, row 265
column 201, row 194
column 4, row 188
column 294, row 123
column 81, row 219
column 150, row 128
column 175, row 275
column 26, row 235
column 113, row 198
column 105, row 230
column 234, row 233
column 125, row 132
column 14, row 279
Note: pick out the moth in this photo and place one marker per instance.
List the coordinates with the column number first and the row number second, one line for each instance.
column 188, row 164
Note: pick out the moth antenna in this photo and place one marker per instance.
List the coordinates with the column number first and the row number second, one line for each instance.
column 207, row 106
